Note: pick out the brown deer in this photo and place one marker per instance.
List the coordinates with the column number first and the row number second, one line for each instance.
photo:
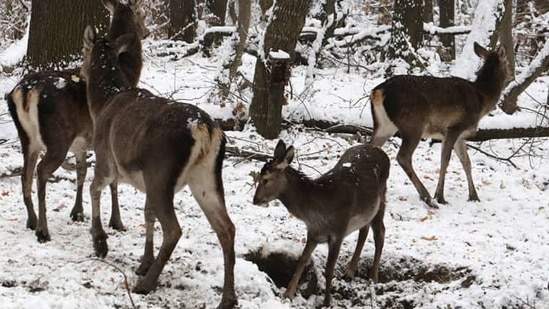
column 349, row 197
column 447, row 108
column 50, row 112
column 158, row 146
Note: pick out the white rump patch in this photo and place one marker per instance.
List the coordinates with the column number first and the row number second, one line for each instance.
column 28, row 116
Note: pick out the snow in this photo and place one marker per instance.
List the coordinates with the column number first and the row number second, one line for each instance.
column 503, row 240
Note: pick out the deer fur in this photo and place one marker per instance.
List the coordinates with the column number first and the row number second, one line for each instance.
column 447, row 108
column 349, row 197
column 50, row 112
column 158, row 146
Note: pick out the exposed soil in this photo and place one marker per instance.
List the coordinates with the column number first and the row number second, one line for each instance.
column 395, row 276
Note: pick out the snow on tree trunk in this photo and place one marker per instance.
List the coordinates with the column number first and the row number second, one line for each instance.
column 487, row 16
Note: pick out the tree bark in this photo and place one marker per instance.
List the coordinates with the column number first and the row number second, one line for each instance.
column 506, row 36
column 428, row 11
column 281, row 34
column 56, row 28
column 183, row 22
column 215, row 11
column 244, row 16
column 447, row 15
column 407, row 30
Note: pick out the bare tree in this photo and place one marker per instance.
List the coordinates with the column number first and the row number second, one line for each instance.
column 56, row 27
column 271, row 74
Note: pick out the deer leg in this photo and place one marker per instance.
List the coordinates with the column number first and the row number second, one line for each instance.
column 30, row 159
column 445, row 155
column 148, row 256
column 353, row 265
column 333, row 253
column 302, row 262
column 460, row 148
column 404, row 158
column 160, row 196
column 104, row 175
column 207, row 189
column 378, row 228
column 77, row 212
column 115, row 222
column 50, row 162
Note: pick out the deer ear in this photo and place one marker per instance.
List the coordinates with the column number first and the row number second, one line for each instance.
column 502, row 52
column 89, row 39
column 280, row 151
column 289, row 155
column 480, row 51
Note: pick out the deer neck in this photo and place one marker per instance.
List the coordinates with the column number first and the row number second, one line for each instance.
column 297, row 193
column 489, row 84
column 104, row 84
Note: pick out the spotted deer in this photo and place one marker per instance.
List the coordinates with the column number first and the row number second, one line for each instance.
column 349, row 197
column 50, row 112
column 158, row 146
column 447, row 108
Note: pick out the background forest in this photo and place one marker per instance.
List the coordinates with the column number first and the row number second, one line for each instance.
column 217, row 55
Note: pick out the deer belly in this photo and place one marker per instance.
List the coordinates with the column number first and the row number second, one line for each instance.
column 359, row 221
column 133, row 178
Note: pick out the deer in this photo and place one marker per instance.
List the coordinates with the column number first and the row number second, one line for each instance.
column 349, row 197
column 445, row 108
column 50, row 112
column 158, row 146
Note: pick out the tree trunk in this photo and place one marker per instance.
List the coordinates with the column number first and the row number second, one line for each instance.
column 281, row 34
column 407, row 30
column 428, row 11
column 244, row 16
column 56, row 28
column 447, row 15
column 182, row 20
column 215, row 12
column 506, row 36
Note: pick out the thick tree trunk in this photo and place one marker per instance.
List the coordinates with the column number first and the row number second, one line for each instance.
column 56, row 28
column 281, row 34
column 215, row 11
column 244, row 16
column 407, row 30
column 182, row 20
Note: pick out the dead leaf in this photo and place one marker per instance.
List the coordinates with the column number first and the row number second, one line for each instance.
column 429, row 238
column 5, row 193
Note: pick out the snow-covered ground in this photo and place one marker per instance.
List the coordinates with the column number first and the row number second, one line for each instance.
column 491, row 254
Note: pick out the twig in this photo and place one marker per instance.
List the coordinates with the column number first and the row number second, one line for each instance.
column 126, row 283
column 508, row 159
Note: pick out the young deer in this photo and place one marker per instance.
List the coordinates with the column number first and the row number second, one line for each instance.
column 50, row 112
column 349, row 197
column 444, row 108
column 158, row 146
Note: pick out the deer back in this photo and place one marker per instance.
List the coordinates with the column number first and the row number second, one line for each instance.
column 432, row 104
column 48, row 106
column 142, row 132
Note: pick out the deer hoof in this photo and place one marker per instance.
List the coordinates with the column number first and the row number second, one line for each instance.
column 100, row 247
column 228, row 303
column 117, row 226
column 31, row 224
column 143, row 288
column 43, row 236
column 77, row 216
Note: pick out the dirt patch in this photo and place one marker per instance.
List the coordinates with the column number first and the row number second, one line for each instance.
column 396, row 275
